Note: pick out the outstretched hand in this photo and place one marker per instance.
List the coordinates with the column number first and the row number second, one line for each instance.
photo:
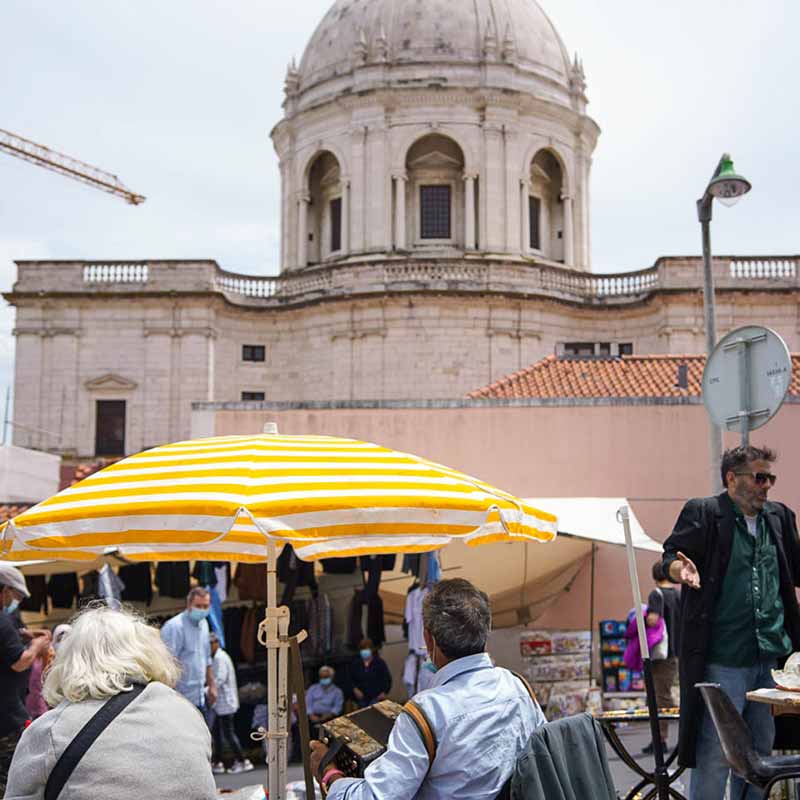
column 688, row 574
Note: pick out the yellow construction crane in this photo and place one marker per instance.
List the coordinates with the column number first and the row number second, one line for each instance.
column 66, row 165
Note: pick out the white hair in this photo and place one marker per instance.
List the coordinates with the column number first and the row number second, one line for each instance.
column 105, row 653
column 60, row 632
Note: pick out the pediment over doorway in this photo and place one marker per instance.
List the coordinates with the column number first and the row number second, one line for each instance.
column 434, row 159
column 110, row 382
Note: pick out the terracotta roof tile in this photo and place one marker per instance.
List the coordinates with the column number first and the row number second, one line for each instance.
column 626, row 376
column 72, row 473
column 10, row 510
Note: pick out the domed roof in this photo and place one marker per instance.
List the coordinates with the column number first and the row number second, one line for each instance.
column 356, row 32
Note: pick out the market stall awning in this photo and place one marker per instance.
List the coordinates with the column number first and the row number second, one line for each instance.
column 595, row 519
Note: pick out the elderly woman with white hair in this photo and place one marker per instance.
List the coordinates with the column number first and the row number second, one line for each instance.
column 158, row 744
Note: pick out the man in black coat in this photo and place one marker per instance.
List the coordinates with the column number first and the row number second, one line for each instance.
column 738, row 556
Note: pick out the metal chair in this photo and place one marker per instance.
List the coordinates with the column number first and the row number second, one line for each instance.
column 737, row 743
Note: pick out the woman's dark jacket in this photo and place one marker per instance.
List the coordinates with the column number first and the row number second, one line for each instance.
column 704, row 532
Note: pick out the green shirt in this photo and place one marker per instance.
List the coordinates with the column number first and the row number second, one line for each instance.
column 748, row 618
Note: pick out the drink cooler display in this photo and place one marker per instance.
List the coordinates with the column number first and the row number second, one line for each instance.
column 622, row 687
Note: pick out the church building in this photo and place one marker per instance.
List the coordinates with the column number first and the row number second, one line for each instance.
column 435, row 160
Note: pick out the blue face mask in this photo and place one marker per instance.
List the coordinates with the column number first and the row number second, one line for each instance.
column 366, row 655
column 197, row 615
column 430, row 666
column 325, row 681
column 12, row 606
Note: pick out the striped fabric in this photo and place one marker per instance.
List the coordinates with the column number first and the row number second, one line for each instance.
column 219, row 498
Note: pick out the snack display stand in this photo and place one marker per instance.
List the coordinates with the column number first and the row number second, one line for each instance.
column 557, row 663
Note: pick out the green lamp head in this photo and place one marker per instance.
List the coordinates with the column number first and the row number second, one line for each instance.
column 726, row 186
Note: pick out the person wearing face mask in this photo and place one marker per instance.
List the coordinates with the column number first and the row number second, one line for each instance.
column 480, row 716
column 370, row 675
column 324, row 700
column 15, row 660
column 187, row 637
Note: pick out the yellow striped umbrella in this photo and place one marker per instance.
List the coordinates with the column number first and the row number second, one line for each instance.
column 240, row 497
column 223, row 498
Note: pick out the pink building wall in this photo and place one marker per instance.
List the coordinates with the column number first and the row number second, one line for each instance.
column 655, row 455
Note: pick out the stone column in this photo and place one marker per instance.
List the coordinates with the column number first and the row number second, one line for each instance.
column 400, row 211
column 525, row 219
column 493, row 187
column 345, row 250
column 469, row 211
column 302, row 230
column 569, row 236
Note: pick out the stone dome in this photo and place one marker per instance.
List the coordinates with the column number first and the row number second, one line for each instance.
column 362, row 32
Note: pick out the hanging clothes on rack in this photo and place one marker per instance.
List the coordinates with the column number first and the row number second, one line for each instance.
column 215, row 616
column 434, row 568
column 138, row 582
column 293, row 572
column 204, row 573
column 413, row 667
column 411, row 564
column 37, row 602
column 339, row 566
column 232, row 623
column 251, row 581
column 320, row 627
column 372, row 567
column 222, row 575
column 63, row 589
column 172, row 578
column 375, row 627
column 110, row 587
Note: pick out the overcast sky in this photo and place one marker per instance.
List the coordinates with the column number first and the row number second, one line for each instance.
column 177, row 97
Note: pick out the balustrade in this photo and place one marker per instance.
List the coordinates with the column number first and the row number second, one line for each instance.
column 115, row 272
column 526, row 278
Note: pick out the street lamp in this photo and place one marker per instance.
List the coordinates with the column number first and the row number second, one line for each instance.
column 727, row 187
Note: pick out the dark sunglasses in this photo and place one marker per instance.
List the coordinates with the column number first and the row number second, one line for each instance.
column 761, row 478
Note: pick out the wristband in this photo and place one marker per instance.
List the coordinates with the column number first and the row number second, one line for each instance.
column 332, row 772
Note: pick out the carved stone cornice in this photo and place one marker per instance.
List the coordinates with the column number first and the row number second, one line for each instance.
column 46, row 331
column 110, row 382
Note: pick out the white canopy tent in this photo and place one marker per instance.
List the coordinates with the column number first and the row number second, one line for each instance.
column 595, row 519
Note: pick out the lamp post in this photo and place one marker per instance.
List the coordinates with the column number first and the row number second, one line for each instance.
column 727, row 187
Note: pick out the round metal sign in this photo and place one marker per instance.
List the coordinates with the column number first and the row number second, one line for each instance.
column 746, row 378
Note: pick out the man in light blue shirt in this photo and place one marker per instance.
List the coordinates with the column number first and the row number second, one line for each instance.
column 482, row 716
column 187, row 637
column 324, row 700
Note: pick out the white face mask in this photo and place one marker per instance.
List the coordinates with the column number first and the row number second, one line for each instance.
column 12, row 606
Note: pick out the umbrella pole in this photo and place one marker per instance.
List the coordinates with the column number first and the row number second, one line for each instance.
column 276, row 625
column 660, row 773
column 591, row 622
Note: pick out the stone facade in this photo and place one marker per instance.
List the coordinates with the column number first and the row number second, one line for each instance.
column 435, row 161
column 161, row 335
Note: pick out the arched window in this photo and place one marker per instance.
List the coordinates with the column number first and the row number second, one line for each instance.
column 545, row 208
column 325, row 208
column 435, row 192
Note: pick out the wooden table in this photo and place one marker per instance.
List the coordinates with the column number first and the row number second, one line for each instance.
column 608, row 721
column 780, row 702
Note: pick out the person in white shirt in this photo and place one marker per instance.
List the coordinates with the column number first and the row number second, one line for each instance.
column 225, row 709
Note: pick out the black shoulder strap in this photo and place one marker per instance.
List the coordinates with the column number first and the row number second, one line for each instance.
column 85, row 738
